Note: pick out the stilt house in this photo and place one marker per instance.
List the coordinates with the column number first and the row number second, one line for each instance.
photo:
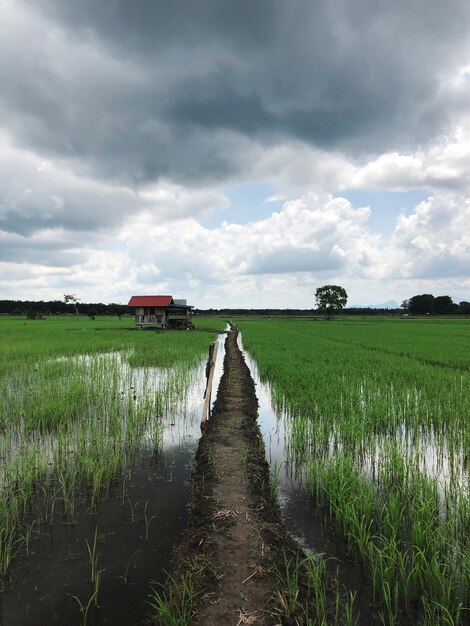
column 161, row 312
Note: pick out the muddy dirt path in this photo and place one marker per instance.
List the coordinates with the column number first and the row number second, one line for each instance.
column 235, row 537
column 240, row 548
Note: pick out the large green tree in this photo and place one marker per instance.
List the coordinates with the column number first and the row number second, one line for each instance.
column 421, row 304
column 443, row 304
column 330, row 299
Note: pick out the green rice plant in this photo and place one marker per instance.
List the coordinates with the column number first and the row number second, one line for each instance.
column 287, row 593
column 274, row 480
column 157, row 431
column 337, row 602
column 26, row 535
column 408, row 577
column 376, row 419
column 390, row 595
column 48, row 500
column 175, row 608
column 8, row 548
column 95, row 573
column 435, row 613
column 126, row 573
column 133, row 509
column 317, row 585
column 350, row 617
column 148, row 520
column 66, row 480
column 84, row 608
column 306, row 594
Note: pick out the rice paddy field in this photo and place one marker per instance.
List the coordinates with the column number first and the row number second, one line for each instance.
column 374, row 421
column 366, row 426
column 98, row 428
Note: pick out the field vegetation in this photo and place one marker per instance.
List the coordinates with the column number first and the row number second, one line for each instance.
column 377, row 420
column 78, row 397
column 376, row 416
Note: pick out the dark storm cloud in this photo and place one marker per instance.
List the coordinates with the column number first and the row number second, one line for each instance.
column 41, row 208
column 136, row 91
column 34, row 215
column 37, row 196
column 148, row 26
column 41, row 252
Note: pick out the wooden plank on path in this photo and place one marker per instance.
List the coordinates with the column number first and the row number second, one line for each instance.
column 210, row 378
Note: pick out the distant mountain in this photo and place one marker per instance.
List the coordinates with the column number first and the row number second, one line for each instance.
column 390, row 304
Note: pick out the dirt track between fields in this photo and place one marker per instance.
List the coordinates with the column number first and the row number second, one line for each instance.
column 235, row 535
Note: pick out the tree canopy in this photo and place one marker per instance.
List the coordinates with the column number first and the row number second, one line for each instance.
column 71, row 298
column 330, row 299
column 426, row 304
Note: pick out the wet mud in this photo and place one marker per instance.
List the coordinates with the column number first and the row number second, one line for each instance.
column 235, row 536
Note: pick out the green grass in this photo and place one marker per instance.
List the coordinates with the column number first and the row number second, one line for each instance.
column 24, row 340
column 377, row 418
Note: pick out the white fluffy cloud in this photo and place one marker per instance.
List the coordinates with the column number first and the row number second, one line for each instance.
column 434, row 241
column 312, row 234
column 311, row 240
column 276, row 261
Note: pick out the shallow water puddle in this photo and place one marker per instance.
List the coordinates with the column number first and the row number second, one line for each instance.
column 129, row 535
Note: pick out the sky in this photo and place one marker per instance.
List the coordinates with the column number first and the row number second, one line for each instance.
column 234, row 153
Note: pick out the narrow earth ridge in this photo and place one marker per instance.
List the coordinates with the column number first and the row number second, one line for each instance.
column 235, row 537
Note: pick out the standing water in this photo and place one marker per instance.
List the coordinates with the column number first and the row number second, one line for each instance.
column 302, row 521
column 121, row 545
column 422, row 456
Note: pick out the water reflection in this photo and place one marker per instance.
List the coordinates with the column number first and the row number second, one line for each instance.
column 136, row 526
column 427, row 451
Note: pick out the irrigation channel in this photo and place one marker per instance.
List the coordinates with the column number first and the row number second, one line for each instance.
column 125, row 541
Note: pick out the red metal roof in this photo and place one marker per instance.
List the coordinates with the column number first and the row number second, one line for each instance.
column 159, row 301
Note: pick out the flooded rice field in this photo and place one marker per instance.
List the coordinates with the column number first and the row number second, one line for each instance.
column 366, row 431
column 307, row 525
column 96, row 531
column 135, row 528
column 429, row 451
column 369, row 455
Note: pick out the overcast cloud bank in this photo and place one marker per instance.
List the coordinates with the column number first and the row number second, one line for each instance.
column 122, row 124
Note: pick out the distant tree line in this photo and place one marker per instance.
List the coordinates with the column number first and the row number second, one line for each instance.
column 261, row 312
column 33, row 309
column 417, row 305
column 427, row 304
column 293, row 312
